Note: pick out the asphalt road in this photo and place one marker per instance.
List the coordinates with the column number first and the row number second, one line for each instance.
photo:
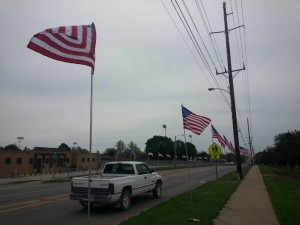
column 49, row 204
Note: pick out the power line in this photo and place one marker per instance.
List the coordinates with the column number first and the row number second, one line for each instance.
column 188, row 23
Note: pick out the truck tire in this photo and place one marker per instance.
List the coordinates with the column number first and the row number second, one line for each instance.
column 157, row 190
column 125, row 200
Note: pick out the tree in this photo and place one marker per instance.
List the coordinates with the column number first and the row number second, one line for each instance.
column 11, row 147
column 191, row 150
column 286, row 150
column 132, row 151
column 121, row 147
column 230, row 157
column 160, row 144
column 64, row 147
column 204, row 156
column 111, row 152
column 287, row 147
column 180, row 149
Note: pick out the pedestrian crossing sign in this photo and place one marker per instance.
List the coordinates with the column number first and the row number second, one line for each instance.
column 215, row 151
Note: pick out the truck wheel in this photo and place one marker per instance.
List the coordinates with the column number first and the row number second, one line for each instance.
column 125, row 200
column 157, row 190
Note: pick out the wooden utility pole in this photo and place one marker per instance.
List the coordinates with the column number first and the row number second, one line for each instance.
column 231, row 92
column 232, row 99
column 250, row 143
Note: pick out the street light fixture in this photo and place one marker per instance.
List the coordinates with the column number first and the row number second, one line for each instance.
column 191, row 138
column 165, row 127
column 212, row 89
column 19, row 139
column 235, row 131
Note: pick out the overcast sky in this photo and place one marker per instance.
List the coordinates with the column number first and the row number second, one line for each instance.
column 144, row 71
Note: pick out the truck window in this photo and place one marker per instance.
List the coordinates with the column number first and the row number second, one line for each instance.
column 108, row 168
column 142, row 169
column 119, row 168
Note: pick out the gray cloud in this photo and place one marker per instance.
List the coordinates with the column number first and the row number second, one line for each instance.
column 144, row 72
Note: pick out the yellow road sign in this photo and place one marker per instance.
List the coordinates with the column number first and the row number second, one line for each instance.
column 215, row 151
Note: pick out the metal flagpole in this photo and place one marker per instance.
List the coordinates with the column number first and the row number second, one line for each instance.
column 216, row 164
column 90, row 151
column 188, row 167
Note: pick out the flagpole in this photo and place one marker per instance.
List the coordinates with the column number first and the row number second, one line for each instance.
column 188, row 167
column 216, row 164
column 90, row 150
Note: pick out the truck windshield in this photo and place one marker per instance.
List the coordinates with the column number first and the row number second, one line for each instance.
column 119, row 168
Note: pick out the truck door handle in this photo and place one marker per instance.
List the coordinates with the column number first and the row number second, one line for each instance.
column 145, row 177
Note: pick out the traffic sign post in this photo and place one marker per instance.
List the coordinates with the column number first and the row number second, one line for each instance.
column 215, row 152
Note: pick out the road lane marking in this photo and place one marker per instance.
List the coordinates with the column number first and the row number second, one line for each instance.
column 25, row 206
column 56, row 196
column 17, row 203
column 32, row 203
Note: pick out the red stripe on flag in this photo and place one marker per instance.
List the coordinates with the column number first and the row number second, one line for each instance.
column 67, row 44
column 58, row 57
column 48, row 42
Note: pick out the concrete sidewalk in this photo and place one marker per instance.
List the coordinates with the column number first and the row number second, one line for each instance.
column 250, row 204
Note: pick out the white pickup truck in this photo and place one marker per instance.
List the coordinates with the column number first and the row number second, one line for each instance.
column 118, row 183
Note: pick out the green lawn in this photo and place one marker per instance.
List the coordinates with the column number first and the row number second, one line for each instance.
column 203, row 203
column 284, row 191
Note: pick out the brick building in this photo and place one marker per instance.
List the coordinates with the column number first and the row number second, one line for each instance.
column 45, row 160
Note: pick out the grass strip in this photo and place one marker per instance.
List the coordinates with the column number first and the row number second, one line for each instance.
column 207, row 202
column 284, row 192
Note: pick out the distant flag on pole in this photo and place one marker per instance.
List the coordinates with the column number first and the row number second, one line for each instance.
column 226, row 141
column 228, row 144
column 150, row 154
column 71, row 44
column 216, row 135
column 245, row 152
column 194, row 122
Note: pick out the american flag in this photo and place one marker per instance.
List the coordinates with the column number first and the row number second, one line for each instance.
column 71, row 44
column 194, row 122
column 215, row 134
column 245, row 152
column 228, row 144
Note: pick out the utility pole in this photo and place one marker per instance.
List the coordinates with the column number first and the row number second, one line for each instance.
column 250, row 143
column 232, row 99
column 231, row 92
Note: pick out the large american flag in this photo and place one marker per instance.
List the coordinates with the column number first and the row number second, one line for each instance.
column 71, row 44
column 216, row 135
column 194, row 122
